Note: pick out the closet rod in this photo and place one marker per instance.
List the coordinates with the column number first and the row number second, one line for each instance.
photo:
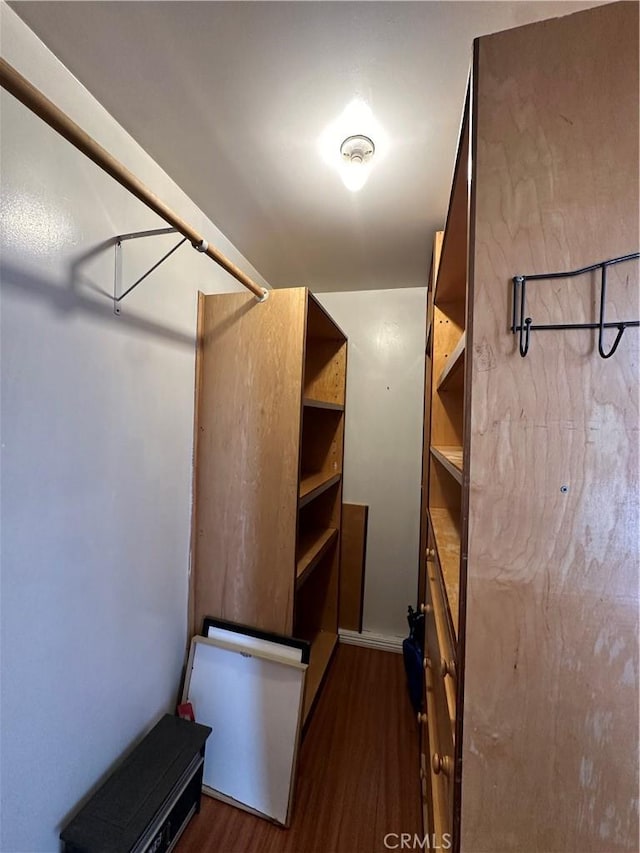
column 37, row 102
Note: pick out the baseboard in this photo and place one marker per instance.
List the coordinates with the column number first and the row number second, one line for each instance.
column 371, row 641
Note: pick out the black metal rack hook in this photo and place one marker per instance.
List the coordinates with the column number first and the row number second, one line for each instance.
column 525, row 325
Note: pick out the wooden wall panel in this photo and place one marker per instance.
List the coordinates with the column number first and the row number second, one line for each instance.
column 352, row 565
column 251, row 362
column 551, row 674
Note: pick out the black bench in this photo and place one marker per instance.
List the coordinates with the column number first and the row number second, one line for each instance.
column 144, row 806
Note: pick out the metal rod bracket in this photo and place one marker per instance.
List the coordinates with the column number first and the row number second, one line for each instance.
column 118, row 292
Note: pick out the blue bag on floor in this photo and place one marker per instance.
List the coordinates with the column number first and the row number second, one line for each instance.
column 413, row 654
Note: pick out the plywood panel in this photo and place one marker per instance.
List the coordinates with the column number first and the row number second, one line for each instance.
column 352, row 565
column 551, row 672
column 248, row 452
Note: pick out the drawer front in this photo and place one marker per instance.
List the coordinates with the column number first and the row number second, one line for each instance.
column 442, row 686
column 436, row 588
column 439, row 646
column 440, row 697
column 439, row 760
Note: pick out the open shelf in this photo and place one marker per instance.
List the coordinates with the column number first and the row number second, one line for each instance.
column 322, row 647
column 312, row 545
column 325, row 358
column 451, row 280
column 313, row 485
column 320, row 326
column 452, row 373
column 445, row 525
column 322, row 440
column 322, row 404
column 451, row 460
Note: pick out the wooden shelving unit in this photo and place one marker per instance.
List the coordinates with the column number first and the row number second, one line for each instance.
column 444, row 434
column 320, row 503
column 517, row 607
column 270, row 405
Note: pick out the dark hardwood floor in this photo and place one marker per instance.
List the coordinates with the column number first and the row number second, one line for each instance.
column 357, row 771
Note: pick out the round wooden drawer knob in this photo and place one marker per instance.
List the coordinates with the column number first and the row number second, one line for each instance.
column 441, row 764
column 426, row 663
column 422, row 718
column 431, row 552
column 426, row 608
column 448, row 667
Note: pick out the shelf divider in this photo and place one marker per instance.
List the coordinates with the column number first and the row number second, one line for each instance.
column 315, row 484
column 322, row 404
column 452, row 373
column 312, row 546
column 451, row 460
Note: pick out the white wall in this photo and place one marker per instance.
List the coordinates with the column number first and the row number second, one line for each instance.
column 383, row 440
column 97, row 416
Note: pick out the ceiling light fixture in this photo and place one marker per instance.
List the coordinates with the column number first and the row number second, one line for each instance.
column 348, row 153
column 356, row 152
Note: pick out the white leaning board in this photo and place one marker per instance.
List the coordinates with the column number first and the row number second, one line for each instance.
column 252, row 700
column 248, row 643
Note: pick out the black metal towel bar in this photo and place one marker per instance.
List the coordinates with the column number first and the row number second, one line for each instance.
column 525, row 325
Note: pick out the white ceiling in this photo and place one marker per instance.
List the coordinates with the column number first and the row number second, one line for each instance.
column 231, row 97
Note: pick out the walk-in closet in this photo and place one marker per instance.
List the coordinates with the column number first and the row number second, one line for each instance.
column 320, row 426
